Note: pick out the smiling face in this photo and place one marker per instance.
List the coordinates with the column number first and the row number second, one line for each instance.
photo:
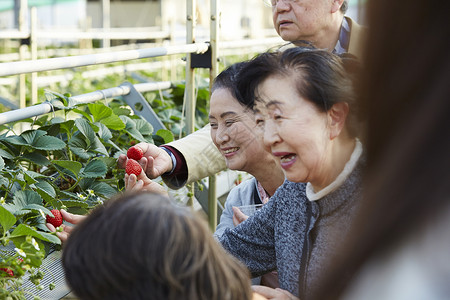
column 234, row 132
column 295, row 130
column 303, row 20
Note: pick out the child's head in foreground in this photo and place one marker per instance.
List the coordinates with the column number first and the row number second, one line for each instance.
column 144, row 246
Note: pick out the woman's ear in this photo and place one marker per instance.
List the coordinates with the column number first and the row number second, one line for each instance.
column 336, row 5
column 337, row 116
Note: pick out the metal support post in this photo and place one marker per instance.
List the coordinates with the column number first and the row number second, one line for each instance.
column 23, row 9
column 189, row 92
column 141, row 107
column 214, row 30
column 106, row 21
column 33, row 48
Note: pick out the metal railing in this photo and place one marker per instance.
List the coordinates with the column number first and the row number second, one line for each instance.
column 46, row 107
column 48, row 64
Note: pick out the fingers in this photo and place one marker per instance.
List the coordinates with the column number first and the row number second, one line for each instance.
column 71, row 218
column 122, row 161
column 155, row 161
column 149, row 167
column 143, row 183
column 238, row 215
column 149, row 149
column 50, row 227
column 287, row 294
column 271, row 293
column 65, row 233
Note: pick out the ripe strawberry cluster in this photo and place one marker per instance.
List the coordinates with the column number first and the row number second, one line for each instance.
column 8, row 271
column 134, row 154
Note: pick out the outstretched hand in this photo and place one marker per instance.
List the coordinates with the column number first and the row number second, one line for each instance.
column 143, row 183
column 155, row 161
column 70, row 218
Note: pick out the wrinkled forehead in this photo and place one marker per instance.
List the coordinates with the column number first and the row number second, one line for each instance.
column 275, row 87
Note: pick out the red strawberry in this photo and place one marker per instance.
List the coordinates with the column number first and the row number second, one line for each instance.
column 133, row 167
column 8, row 271
column 135, row 153
column 55, row 221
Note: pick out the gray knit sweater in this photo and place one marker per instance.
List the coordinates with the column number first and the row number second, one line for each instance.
column 294, row 235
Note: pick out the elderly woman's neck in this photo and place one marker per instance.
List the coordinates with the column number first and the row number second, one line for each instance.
column 340, row 153
column 270, row 176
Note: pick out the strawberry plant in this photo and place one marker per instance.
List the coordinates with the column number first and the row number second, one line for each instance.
column 65, row 159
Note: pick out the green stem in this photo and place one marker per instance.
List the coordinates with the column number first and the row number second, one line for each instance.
column 74, row 186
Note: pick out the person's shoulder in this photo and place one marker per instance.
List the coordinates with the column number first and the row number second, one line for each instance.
column 292, row 186
column 354, row 25
column 243, row 191
column 245, row 186
column 290, row 190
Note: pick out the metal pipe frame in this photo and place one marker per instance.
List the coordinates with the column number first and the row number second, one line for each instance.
column 48, row 64
column 46, row 107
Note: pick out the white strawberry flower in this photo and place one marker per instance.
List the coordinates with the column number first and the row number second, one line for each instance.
column 20, row 252
column 35, row 244
column 2, row 200
column 81, row 196
column 91, row 192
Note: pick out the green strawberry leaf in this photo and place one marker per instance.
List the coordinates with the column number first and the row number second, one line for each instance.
column 136, row 134
column 7, row 219
column 36, row 208
column 83, row 113
column 23, row 198
column 29, row 179
column 104, row 132
column 75, row 203
column 113, row 122
column 46, row 190
column 3, row 181
column 94, row 169
column 99, row 188
column 110, row 162
column 121, row 111
column 99, row 111
column 24, row 230
column 86, row 129
column 36, row 158
column 6, row 154
column 48, row 143
column 144, row 127
column 167, row 135
column 16, row 140
column 72, row 166
column 67, row 126
column 79, row 147
column 99, row 147
column 30, row 136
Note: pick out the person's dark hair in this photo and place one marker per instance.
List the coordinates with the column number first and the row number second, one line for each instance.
column 322, row 78
column 143, row 246
column 405, row 94
column 227, row 79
